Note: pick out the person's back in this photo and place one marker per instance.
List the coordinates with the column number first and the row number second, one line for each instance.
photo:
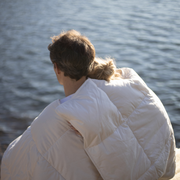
column 111, row 127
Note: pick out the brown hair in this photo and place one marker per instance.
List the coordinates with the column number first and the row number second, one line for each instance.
column 72, row 53
column 104, row 70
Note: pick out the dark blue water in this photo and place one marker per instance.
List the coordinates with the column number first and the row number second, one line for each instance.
column 141, row 34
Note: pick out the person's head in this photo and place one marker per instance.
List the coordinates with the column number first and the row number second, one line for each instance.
column 72, row 54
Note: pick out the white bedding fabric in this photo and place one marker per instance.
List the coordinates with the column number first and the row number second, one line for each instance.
column 126, row 134
column 177, row 174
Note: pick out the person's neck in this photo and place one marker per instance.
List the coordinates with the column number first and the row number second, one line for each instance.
column 71, row 85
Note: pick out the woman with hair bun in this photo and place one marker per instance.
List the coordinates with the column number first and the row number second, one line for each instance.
column 109, row 126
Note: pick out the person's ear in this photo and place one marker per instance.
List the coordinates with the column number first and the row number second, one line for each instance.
column 56, row 69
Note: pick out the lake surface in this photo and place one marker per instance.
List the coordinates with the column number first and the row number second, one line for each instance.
column 141, row 34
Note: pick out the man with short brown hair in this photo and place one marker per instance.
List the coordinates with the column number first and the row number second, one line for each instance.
column 72, row 55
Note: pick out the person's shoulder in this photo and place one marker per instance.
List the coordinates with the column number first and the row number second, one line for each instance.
column 128, row 73
column 49, row 109
column 52, row 105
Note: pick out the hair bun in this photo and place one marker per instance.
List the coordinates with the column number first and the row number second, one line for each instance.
column 102, row 69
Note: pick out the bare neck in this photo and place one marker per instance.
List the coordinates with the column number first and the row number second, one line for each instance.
column 71, row 85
